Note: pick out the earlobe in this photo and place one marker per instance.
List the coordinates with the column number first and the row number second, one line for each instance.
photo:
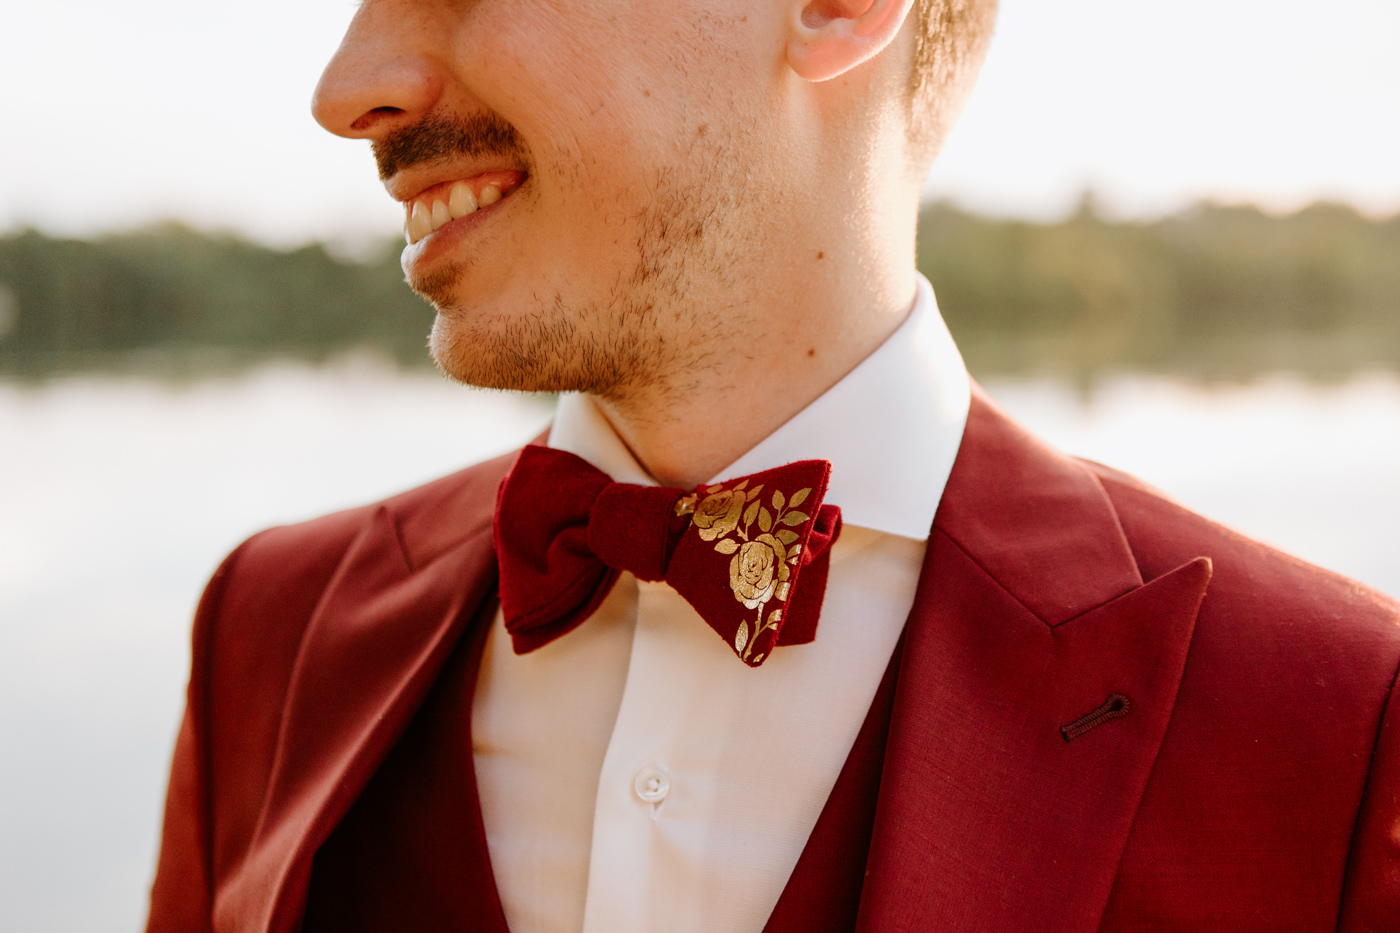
column 828, row 38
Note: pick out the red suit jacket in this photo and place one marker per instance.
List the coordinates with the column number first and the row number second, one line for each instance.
column 1252, row 781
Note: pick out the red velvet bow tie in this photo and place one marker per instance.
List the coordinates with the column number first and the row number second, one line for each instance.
column 564, row 532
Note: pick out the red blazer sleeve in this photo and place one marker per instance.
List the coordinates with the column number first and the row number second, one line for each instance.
column 1371, row 901
column 182, row 895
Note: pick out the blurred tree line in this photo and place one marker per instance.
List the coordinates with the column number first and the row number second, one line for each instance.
column 1212, row 292
column 168, row 293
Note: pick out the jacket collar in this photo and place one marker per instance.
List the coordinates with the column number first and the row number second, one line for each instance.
column 1030, row 614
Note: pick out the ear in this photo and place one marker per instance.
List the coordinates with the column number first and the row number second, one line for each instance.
column 830, row 37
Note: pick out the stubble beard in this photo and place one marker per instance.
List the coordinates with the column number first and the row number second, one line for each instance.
column 648, row 337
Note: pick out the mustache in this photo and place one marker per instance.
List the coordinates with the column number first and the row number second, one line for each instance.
column 439, row 137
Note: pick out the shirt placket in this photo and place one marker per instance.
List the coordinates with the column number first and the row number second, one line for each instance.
column 658, row 787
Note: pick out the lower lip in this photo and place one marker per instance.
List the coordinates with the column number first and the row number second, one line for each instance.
column 452, row 233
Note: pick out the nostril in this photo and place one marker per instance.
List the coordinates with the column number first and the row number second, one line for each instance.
column 374, row 116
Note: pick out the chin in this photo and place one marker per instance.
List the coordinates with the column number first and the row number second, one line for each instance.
column 492, row 350
column 543, row 345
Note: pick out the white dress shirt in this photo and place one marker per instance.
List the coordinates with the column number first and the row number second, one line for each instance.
column 634, row 775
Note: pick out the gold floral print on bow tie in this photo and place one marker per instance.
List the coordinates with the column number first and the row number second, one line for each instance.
column 754, row 570
column 762, row 558
column 718, row 514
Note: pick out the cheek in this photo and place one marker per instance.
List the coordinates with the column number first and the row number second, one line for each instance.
column 610, row 98
column 584, row 112
column 612, row 91
column 570, row 77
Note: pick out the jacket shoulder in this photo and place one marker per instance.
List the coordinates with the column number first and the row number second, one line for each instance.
column 436, row 517
column 300, row 558
column 1263, row 585
column 262, row 597
column 255, row 614
column 1278, row 729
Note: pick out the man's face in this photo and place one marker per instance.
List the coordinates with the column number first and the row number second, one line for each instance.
column 640, row 154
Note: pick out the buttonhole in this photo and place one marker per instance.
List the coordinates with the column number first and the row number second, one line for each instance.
column 1115, row 707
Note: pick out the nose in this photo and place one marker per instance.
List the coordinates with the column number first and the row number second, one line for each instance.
column 383, row 76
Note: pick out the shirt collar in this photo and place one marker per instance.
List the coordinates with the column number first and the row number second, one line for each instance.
column 891, row 429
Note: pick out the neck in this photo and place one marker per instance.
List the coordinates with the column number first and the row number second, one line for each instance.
column 833, row 293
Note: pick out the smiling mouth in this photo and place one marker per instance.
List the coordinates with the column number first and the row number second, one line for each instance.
column 439, row 205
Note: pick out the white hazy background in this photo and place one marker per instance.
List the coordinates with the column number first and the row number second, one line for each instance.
column 119, row 113
column 118, row 496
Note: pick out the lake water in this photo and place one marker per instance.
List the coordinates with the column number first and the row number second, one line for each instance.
column 118, row 497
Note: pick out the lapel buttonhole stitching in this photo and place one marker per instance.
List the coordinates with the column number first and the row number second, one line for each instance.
column 1115, row 707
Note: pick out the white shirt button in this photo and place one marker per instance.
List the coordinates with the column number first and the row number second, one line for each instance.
column 652, row 784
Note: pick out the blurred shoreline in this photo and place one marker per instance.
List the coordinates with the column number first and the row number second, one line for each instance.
column 1211, row 294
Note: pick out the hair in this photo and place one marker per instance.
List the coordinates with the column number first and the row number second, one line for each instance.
column 951, row 41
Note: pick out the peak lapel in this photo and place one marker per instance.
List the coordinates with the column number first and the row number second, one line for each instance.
column 372, row 649
column 1030, row 614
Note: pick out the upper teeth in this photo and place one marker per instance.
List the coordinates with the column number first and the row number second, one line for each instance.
column 425, row 216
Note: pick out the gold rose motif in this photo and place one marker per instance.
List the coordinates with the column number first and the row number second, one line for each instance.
column 760, row 568
column 718, row 514
column 752, row 572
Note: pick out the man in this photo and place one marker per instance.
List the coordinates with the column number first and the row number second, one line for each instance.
column 961, row 682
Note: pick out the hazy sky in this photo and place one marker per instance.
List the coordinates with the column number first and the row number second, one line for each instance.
column 123, row 113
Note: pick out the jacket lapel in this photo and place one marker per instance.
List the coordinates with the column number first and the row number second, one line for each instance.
column 1030, row 615
column 372, row 649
